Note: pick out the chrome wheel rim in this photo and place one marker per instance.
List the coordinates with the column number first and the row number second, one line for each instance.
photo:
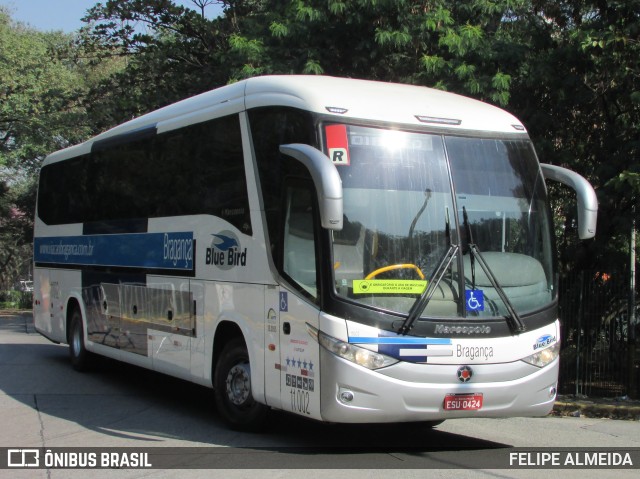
column 239, row 384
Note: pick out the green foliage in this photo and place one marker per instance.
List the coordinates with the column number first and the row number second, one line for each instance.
column 252, row 50
column 575, row 88
column 626, row 181
column 433, row 64
column 15, row 299
column 312, row 67
column 396, row 39
column 437, row 42
column 278, row 30
column 39, row 91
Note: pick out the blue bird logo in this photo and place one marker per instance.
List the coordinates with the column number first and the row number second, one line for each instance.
column 544, row 341
column 226, row 244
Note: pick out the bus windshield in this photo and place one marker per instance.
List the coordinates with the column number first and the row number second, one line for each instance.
column 409, row 197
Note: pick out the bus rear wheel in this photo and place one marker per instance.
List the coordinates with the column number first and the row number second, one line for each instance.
column 232, row 383
column 80, row 357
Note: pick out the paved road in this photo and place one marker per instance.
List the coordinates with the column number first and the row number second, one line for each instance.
column 44, row 403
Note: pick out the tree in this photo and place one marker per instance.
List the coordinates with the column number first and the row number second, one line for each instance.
column 40, row 112
column 39, row 92
column 181, row 53
column 170, row 53
column 577, row 89
column 449, row 45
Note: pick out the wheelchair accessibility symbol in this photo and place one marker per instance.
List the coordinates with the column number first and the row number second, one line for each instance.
column 474, row 299
column 284, row 301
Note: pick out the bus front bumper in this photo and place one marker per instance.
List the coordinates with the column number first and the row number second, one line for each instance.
column 410, row 392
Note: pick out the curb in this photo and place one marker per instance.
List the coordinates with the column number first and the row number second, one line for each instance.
column 597, row 408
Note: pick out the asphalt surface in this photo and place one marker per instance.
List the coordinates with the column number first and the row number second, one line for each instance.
column 44, row 403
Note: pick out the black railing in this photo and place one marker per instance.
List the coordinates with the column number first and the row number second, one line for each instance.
column 598, row 358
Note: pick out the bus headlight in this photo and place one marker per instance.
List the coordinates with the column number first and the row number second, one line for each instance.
column 544, row 357
column 355, row 354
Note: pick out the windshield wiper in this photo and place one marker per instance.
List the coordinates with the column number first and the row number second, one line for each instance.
column 437, row 275
column 513, row 319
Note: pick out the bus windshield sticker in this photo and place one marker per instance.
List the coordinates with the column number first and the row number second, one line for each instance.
column 388, row 286
column 338, row 145
column 474, row 299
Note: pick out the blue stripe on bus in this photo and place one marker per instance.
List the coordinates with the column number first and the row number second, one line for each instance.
column 401, row 340
column 169, row 251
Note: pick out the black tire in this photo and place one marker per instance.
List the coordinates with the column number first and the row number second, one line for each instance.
column 80, row 357
column 232, row 384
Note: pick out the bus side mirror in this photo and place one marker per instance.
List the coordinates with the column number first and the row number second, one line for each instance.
column 587, row 200
column 326, row 179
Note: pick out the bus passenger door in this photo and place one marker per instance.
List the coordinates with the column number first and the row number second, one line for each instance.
column 292, row 355
column 272, row 359
column 297, row 305
column 299, row 356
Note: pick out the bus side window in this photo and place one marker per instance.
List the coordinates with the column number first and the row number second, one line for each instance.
column 270, row 128
column 299, row 245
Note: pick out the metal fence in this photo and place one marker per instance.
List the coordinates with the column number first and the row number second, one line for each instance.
column 597, row 357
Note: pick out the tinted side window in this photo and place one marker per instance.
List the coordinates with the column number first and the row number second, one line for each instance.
column 117, row 178
column 63, row 195
column 270, row 128
column 205, row 172
column 195, row 170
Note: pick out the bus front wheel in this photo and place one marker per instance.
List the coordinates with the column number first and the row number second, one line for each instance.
column 232, row 383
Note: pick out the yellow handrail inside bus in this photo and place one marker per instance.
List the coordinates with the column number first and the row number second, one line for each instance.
column 395, row 266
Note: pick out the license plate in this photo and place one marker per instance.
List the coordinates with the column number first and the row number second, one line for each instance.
column 463, row 402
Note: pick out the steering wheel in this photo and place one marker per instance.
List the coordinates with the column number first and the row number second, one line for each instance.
column 391, row 267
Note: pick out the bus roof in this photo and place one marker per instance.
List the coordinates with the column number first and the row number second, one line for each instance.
column 340, row 97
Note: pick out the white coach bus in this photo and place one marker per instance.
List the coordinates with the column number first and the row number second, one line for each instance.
column 346, row 250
